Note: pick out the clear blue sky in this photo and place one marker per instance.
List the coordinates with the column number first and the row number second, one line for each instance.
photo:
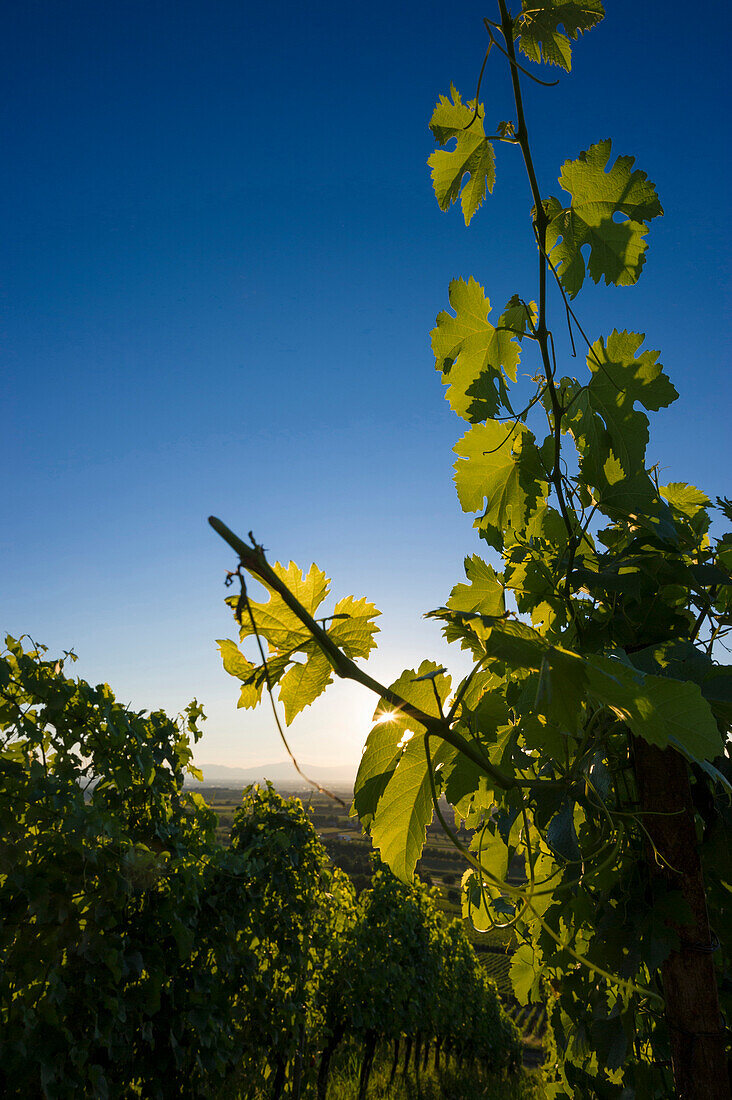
column 221, row 260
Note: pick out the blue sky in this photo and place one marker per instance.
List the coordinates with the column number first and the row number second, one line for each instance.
column 221, row 261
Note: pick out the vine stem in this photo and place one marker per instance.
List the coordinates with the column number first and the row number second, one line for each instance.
column 698, row 1038
column 244, row 598
column 252, row 558
column 542, row 332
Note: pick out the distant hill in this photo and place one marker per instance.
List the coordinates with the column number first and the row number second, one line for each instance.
column 282, row 774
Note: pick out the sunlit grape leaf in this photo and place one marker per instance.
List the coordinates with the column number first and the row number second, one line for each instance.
column 354, row 634
column 610, row 432
column 484, row 593
column 273, row 619
column 236, row 664
column 234, row 661
column 689, row 502
column 599, row 194
column 661, row 710
column 303, row 683
column 525, row 972
column 399, row 828
column 481, row 897
column 472, row 155
column 300, row 680
column 416, row 688
column 536, row 28
column 380, row 757
column 476, row 902
column 495, row 851
column 475, row 358
column 499, row 473
column 385, row 743
column 519, row 316
column 681, row 660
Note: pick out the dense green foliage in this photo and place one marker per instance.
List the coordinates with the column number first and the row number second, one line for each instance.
column 594, row 621
column 138, row 956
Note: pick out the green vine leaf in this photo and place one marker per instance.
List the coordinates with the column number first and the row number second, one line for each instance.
column 519, row 316
column 472, row 155
column 380, row 756
column 300, row 682
column 399, row 828
column 689, row 503
column 475, row 359
column 498, row 471
column 611, row 434
column 525, row 972
column 599, row 194
column 661, row 710
column 536, row 28
column 273, row 619
column 353, row 628
column 484, row 593
column 236, row 664
column 392, row 793
column 303, row 683
column 415, row 688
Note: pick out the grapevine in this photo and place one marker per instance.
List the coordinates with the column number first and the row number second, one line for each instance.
column 591, row 737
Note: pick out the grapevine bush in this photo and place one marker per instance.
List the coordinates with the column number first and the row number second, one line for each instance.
column 138, row 956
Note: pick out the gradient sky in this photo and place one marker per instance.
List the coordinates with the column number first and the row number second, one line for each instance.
column 222, row 257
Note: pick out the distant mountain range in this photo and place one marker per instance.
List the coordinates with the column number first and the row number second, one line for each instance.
column 282, row 774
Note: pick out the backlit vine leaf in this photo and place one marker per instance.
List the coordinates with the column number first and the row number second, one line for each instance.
column 610, row 432
column 352, row 626
column 295, row 662
column 388, row 736
column 392, row 795
column 690, row 503
column 475, row 358
column 415, row 688
column 616, row 248
column 399, row 828
column 236, row 664
column 303, row 683
column 519, row 316
column 472, row 155
column 525, row 972
column 273, row 619
column 498, row 472
column 484, row 593
column 380, row 757
column 663, row 711
column 536, row 28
